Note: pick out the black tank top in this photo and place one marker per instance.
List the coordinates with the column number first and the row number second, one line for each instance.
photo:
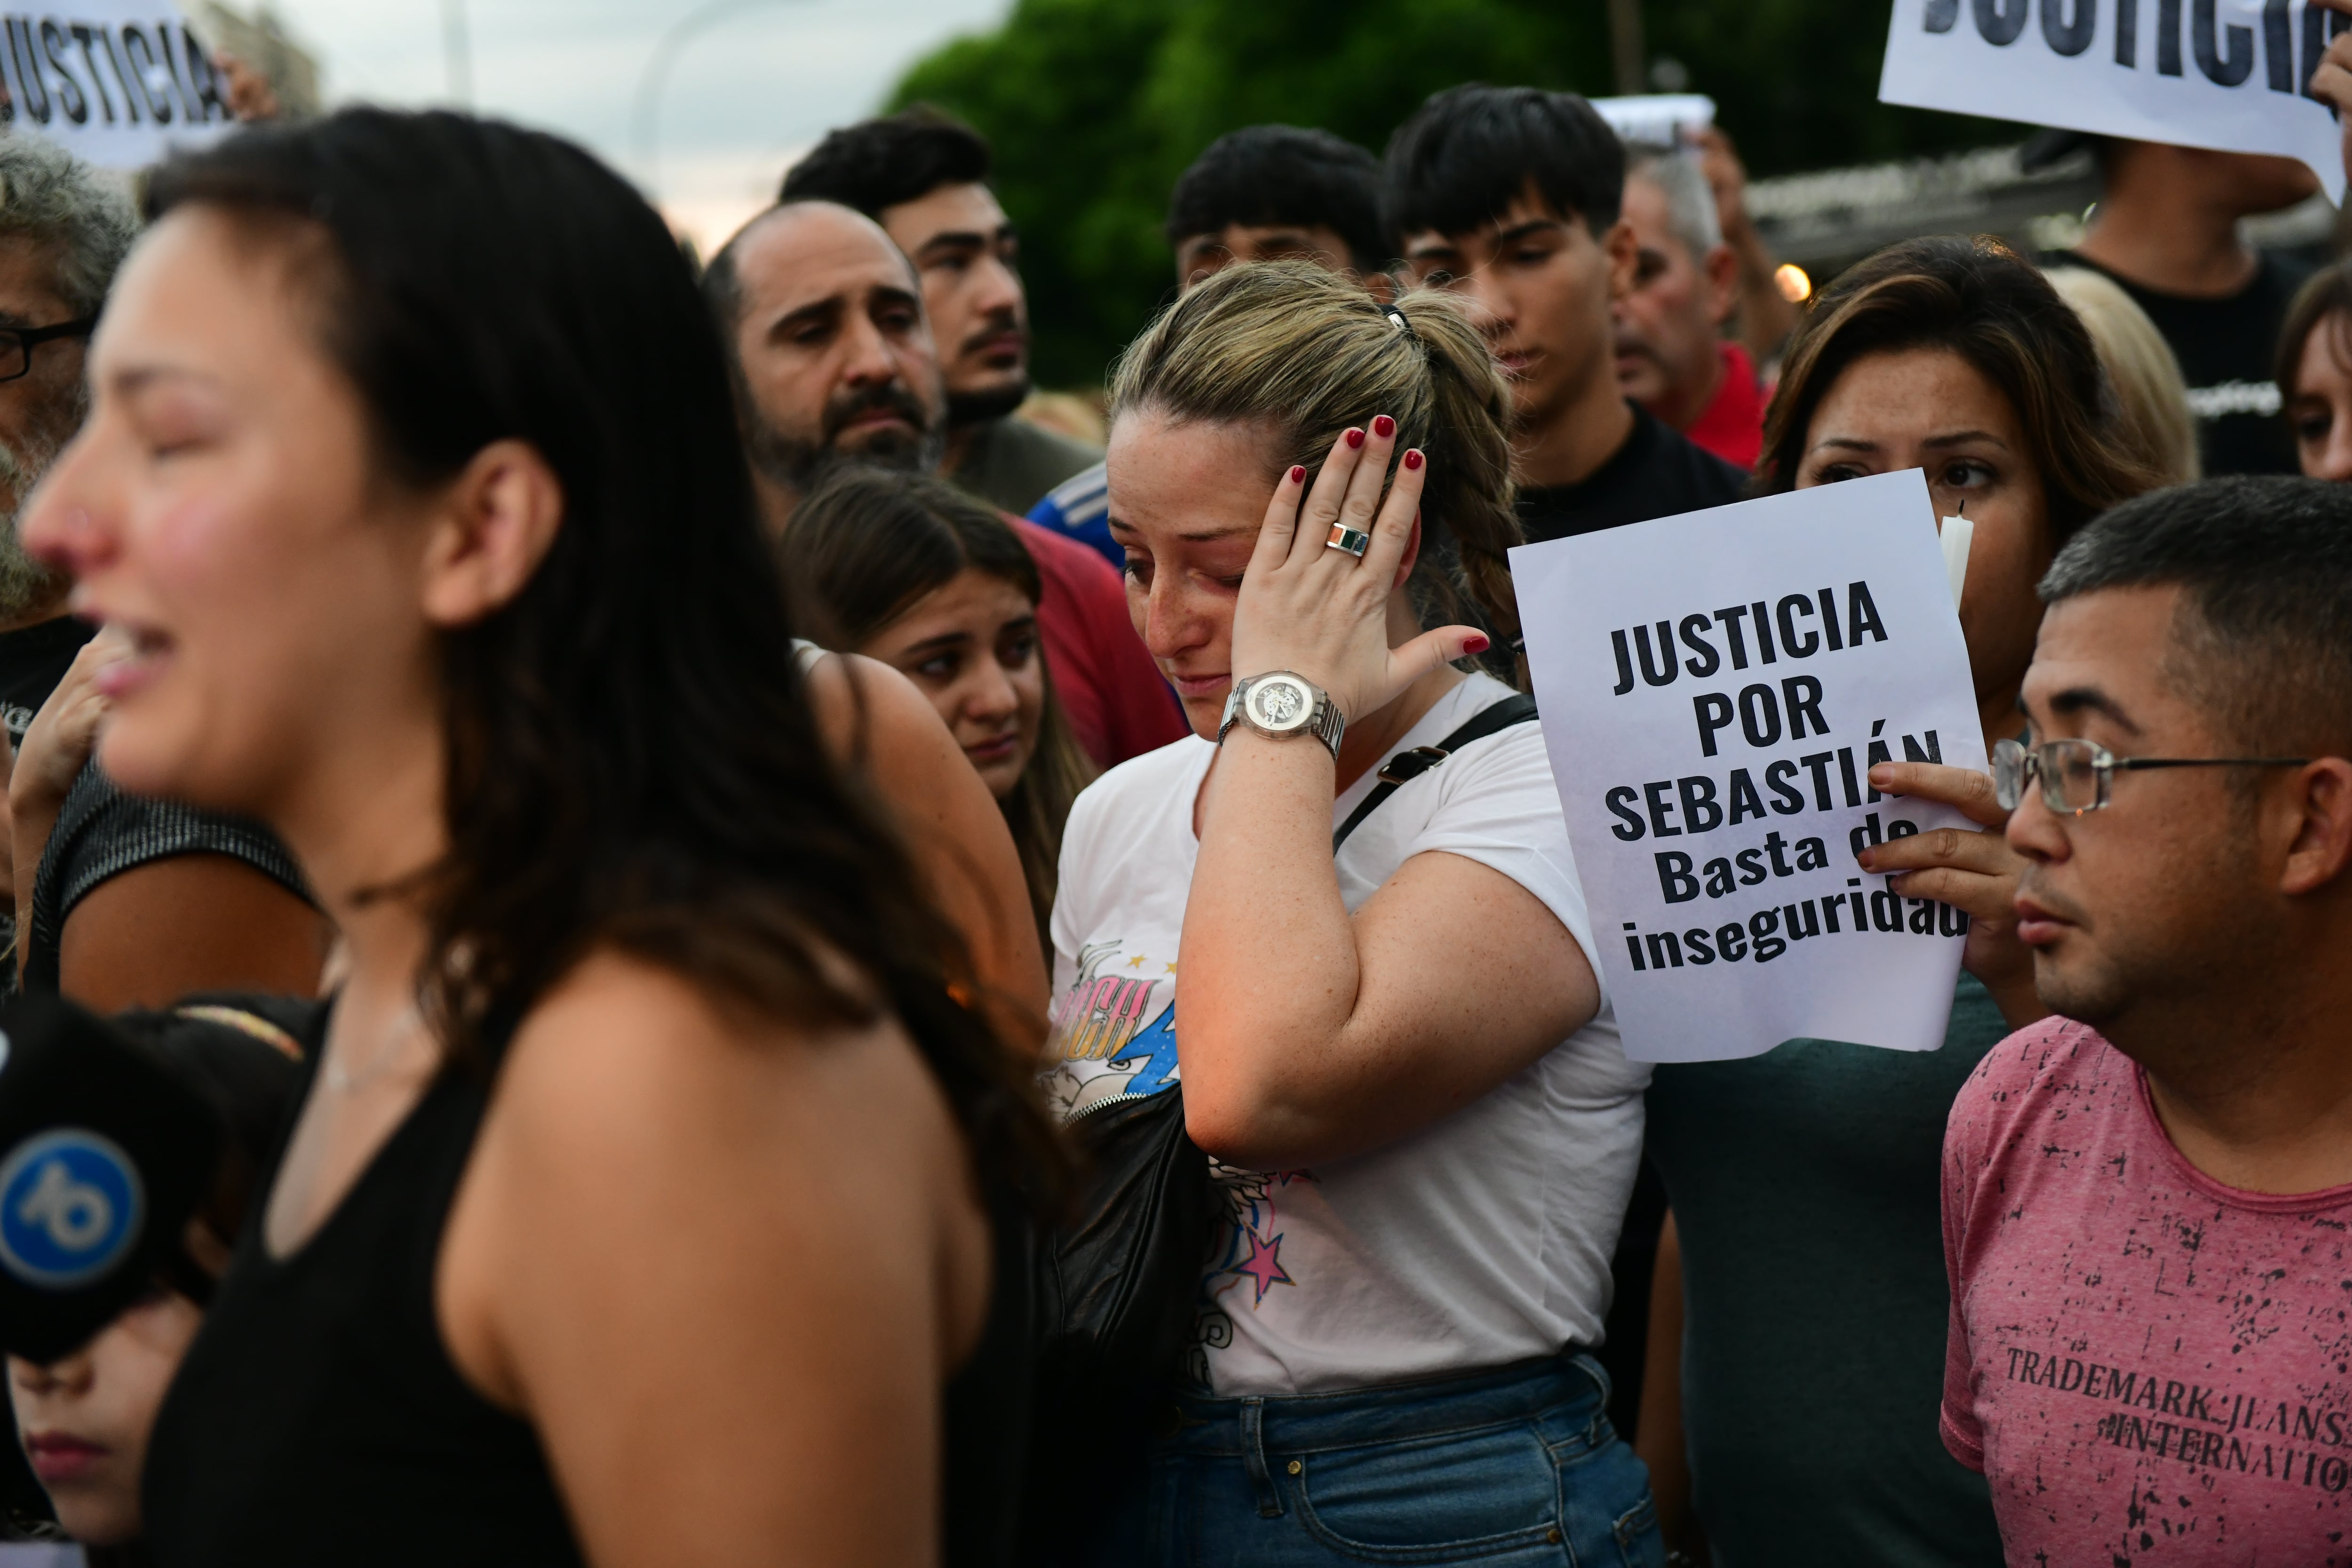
column 318, row 1418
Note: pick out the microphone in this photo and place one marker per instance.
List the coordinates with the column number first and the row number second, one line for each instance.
column 105, row 1153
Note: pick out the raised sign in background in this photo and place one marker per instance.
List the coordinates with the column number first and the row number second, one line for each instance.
column 120, row 82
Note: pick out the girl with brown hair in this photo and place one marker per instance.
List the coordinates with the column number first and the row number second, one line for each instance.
column 1343, row 920
column 1805, row 1246
column 912, row 572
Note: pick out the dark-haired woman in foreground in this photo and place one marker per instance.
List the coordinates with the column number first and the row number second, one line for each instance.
column 636, row 1212
column 913, row 572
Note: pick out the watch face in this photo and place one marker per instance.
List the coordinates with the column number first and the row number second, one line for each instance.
column 1280, row 703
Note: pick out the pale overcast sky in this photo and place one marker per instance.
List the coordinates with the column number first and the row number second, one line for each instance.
column 753, row 82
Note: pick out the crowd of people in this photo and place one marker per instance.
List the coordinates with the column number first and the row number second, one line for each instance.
column 652, row 927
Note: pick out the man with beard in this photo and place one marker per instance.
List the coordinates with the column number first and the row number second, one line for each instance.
column 1672, row 356
column 923, row 177
column 1510, row 196
column 63, row 232
column 821, row 318
column 2147, row 1198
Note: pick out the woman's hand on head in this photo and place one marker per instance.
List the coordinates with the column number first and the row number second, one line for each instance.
column 1974, row 872
column 2331, row 83
column 1322, row 612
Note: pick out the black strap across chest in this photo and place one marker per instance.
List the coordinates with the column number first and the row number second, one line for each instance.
column 1410, row 765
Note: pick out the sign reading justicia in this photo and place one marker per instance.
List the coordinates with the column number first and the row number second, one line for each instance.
column 1715, row 688
column 2232, row 75
column 120, row 82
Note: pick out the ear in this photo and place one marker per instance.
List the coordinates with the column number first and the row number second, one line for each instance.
column 496, row 522
column 1624, row 254
column 2321, row 846
column 1722, row 271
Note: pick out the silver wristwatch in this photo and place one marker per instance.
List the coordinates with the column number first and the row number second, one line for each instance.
column 1283, row 704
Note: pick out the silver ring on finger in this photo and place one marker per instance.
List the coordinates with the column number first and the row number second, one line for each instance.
column 1354, row 540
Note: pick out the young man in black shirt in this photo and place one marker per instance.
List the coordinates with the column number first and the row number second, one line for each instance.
column 2166, row 229
column 1510, row 196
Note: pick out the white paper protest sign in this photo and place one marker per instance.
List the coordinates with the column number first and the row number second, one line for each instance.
column 1713, row 688
column 118, row 82
column 2226, row 74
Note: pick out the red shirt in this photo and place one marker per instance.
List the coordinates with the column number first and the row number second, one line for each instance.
column 1118, row 705
column 2149, row 1366
column 1732, row 425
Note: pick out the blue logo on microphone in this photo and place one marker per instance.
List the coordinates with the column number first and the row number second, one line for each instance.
column 70, row 1207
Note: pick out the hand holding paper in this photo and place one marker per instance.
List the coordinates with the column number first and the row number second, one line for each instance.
column 2332, row 82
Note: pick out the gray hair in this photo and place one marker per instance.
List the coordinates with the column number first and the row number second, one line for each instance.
column 1690, row 200
column 53, row 199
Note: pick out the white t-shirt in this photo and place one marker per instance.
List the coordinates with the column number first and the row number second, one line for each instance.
column 1480, row 1241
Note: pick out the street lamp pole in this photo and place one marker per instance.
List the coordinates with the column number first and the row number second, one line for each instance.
column 458, row 52
column 655, row 76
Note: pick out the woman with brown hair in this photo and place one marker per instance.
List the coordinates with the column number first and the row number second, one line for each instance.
column 651, row 1195
column 911, row 571
column 1805, row 1257
column 1343, row 920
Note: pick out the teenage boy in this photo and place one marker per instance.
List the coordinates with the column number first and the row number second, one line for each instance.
column 1265, row 193
column 923, row 176
column 1510, row 196
column 822, row 319
column 1672, row 356
column 2147, row 1199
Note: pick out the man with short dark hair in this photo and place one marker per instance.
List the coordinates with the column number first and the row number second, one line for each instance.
column 1672, row 356
column 923, row 176
column 821, row 318
column 2147, row 1199
column 1278, row 193
column 1265, row 193
column 1510, row 197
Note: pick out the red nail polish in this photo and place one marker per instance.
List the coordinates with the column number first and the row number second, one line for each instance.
column 1475, row 645
column 1298, row 474
column 1355, row 437
column 1384, row 427
column 1413, row 458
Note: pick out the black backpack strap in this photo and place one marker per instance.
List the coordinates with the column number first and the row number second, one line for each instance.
column 1514, row 709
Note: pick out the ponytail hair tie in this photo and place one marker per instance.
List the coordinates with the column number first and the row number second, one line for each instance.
column 1397, row 320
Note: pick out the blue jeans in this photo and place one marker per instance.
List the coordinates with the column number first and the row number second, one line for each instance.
column 1508, row 1469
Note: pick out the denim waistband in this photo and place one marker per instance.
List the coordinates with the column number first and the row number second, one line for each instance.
column 1430, row 1407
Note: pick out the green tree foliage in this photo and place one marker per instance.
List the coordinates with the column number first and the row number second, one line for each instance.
column 1096, row 106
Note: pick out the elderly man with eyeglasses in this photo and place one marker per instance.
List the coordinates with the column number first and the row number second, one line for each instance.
column 2147, row 1196
column 63, row 231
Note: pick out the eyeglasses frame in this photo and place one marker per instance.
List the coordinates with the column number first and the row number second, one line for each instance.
column 32, row 338
column 2105, row 765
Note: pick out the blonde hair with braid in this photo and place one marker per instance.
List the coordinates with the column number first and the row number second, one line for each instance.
column 1305, row 353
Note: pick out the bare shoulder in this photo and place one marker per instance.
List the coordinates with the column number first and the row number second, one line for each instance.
column 625, row 1048
column 867, row 712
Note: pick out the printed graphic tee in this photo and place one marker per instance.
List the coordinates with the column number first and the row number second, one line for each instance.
column 2149, row 1367
column 1482, row 1239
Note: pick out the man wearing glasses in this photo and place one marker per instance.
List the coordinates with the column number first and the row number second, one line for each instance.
column 63, row 231
column 2147, row 1198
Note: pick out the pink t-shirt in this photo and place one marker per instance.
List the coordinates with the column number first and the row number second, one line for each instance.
column 2149, row 1366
